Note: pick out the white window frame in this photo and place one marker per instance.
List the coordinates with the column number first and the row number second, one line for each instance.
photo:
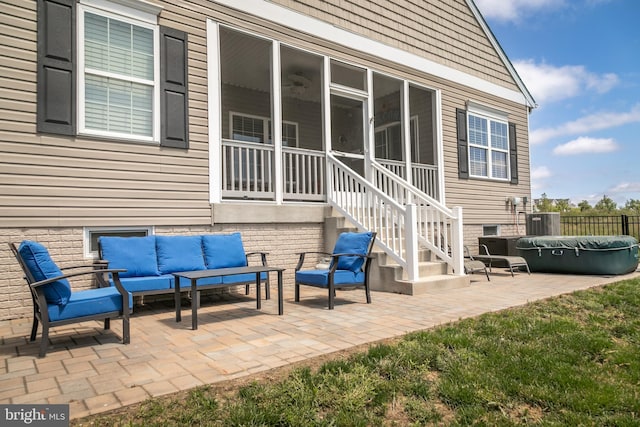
column 266, row 128
column 285, row 140
column 488, row 230
column 384, row 129
column 133, row 12
column 92, row 253
column 489, row 115
column 413, row 126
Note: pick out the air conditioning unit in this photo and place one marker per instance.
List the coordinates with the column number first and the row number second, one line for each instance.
column 543, row 224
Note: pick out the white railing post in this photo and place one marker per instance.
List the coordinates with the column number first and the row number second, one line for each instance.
column 411, row 242
column 457, row 244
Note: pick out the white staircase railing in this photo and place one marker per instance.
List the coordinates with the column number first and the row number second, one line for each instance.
column 423, row 177
column 401, row 215
column 439, row 228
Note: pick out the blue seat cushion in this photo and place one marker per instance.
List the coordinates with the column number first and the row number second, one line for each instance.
column 87, row 303
column 147, row 283
column 224, row 250
column 321, row 277
column 242, row 278
column 179, row 253
column 352, row 243
column 39, row 262
column 186, row 283
column 137, row 255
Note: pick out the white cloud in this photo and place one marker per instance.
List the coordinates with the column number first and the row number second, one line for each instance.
column 541, row 172
column 601, row 83
column 514, row 10
column 626, row 187
column 549, row 83
column 517, row 10
column 584, row 145
column 597, row 2
column 586, row 124
column 538, row 177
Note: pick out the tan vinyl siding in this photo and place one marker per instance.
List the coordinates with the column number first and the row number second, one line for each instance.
column 443, row 31
column 47, row 180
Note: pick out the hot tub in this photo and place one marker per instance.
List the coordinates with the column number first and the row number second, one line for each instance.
column 600, row 255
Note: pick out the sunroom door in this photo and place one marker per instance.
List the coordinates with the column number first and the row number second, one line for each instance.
column 348, row 136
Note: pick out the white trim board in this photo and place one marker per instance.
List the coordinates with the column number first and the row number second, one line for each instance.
column 323, row 30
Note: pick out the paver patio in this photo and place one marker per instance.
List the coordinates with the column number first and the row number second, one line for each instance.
column 92, row 371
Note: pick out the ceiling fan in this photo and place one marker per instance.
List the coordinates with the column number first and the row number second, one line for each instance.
column 298, row 83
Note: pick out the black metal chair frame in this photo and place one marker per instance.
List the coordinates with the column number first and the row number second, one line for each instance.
column 40, row 310
column 332, row 286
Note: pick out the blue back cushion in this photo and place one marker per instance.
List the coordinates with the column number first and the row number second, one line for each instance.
column 352, row 243
column 179, row 253
column 39, row 262
column 137, row 255
column 224, row 250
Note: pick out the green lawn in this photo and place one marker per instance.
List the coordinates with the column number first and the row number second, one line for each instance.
column 570, row 360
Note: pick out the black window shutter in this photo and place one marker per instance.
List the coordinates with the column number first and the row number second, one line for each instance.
column 463, row 152
column 513, row 153
column 56, row 109
column 173, row 89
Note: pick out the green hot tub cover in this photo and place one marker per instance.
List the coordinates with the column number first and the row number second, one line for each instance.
column 601, row 255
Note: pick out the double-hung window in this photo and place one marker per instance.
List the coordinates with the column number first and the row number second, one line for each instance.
column 254, row 129
column 488, row 146
column 249, row 128
column 106, row 69
column 118, row 91
column 289, row 134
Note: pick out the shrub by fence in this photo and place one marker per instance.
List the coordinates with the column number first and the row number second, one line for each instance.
column 600, row 225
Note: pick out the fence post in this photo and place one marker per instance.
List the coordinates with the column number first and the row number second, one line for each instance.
column 625, row 225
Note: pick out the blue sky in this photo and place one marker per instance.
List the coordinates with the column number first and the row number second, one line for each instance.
column 580, row 60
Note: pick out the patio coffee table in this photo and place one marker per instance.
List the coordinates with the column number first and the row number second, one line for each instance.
column 194, row 276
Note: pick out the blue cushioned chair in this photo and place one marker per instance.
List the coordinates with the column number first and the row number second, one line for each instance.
column 54, row 303
column 349, row 267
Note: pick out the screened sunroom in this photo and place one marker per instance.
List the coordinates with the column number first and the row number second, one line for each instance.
column 282, row 109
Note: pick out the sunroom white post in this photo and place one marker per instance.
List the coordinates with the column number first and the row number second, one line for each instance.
column 457, row 242
column 439, row 146
column 406, row 131
column 369, row 130
column 326, row 121
column 406, row 135
column 277, row 121
column 411, row 242
column 214, row 112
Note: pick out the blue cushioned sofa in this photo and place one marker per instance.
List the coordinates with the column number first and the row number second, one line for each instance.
column 150, row 261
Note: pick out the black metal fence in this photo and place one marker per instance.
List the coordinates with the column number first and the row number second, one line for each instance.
column 600, row 225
